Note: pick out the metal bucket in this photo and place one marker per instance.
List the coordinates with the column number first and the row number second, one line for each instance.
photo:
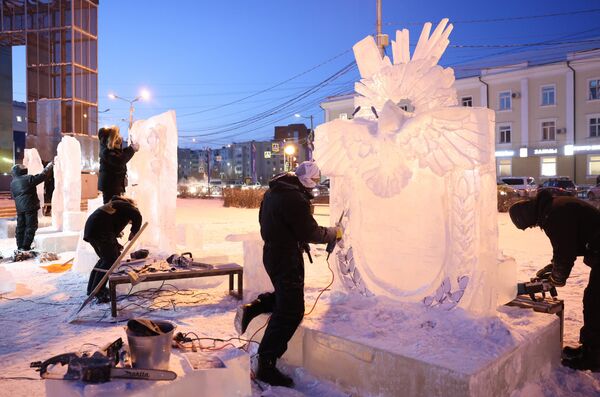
column 151, row 352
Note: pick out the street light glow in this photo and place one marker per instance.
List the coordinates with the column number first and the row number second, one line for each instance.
column 289, row 150
column 297, row 115
column 145, row 94
column 112, row 96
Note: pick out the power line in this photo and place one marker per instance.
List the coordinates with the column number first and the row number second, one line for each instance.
column 507, row 19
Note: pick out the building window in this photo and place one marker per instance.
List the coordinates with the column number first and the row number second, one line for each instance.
column 594, row 89
column 594, row 126
column 548, row 95
column 505, row 101
column 504, row 167
column 504, row 133
column 467, row 101
column 19, row 119
column 548, row 130
column 593, row 165
column 548, row 166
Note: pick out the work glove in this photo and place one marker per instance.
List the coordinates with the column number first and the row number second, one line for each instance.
column 49, row 166
column 559, row 275
column 545, row 272
column 135, row 146
column 339, row 232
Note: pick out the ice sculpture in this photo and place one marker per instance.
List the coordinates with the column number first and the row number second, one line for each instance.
column 414, row 175
column 34, row 165
column 66, row 198
column 152, row 178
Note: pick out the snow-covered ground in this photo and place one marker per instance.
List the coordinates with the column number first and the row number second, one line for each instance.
column 33, row 326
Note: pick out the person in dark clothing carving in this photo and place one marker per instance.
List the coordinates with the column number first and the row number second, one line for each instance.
column 112, row 175
column 573, row 227
column 23, row 190
column 286, row 226
column 102, row 229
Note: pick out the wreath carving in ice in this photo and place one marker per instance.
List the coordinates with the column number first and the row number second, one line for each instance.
column 414, row 175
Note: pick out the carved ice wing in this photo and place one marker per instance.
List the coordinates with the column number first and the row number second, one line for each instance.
column 447, row 138
column 340, row 145
column 368, row 57
column 434, row 46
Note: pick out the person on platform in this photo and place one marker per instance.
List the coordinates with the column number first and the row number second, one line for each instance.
column 286, row 226
column 112, row 175
column 102, row 229
column 24, row 192
column 573, row 227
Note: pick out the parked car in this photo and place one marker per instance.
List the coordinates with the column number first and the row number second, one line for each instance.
column 562, row 186
column 594, row 193
column 525, row 185
column 507, row 196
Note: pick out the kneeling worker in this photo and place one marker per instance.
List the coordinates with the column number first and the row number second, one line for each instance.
column 573, row 227
column 23, row 190
column 102, row 229
column 286, row 226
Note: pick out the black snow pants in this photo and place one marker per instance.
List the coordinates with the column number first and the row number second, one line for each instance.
column 27, row 224
column 108, row 249
column 285, row 267
column 590, row 332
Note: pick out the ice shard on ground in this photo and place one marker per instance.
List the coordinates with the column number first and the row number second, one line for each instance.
column 416, row 174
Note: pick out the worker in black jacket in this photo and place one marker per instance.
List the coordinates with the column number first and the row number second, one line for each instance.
column 23, row 190
column 112, row 175
column 573, row 227
column 102, row 229
column 286, row 226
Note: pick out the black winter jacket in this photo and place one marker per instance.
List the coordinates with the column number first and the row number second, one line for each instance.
column 285, row 217
column 113, row 166
column 573, row 227
column 110, row 220
column 23, row 189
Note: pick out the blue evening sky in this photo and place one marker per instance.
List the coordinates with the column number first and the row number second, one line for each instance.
column 202, row 58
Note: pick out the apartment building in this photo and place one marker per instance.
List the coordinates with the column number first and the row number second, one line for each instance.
column 547, row 115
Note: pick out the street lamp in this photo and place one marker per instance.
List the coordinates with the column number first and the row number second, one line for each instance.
column 311, row 135
column 288, row 150
column 144, row 94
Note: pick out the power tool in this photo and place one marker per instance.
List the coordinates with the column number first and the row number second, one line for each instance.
column 331, row 245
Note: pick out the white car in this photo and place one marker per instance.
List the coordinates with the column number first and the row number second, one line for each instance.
column 525, row 185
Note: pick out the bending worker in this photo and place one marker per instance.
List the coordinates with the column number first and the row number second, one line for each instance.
column 102, row 229
column 286, row 226
column 23, row 190
column 573, row 227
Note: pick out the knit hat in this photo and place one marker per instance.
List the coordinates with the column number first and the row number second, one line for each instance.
column 523, row 214
column 306, row 172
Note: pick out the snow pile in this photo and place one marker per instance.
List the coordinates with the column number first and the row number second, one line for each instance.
column 415, row 175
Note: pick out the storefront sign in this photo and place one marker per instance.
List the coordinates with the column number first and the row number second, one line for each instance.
column 505, row 153
column 545, row 151
column 267, row 154
column 586, row 148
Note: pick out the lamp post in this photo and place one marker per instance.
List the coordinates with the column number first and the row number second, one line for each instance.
column 288, row 150
column 311, row 135
column 144, row 94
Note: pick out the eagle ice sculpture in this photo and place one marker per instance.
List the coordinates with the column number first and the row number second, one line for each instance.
column 414, row 175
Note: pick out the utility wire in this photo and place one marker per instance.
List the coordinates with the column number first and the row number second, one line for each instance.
column 507, row 19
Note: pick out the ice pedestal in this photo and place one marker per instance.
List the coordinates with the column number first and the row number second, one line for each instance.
column 468, row 364
column 256, row 279
column 67, row 181
column 8, row 226
column 231, row 381
column 57, row 241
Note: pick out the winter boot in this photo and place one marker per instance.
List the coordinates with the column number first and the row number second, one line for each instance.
column 267, row 372
column 103, row 296
column 246, row 313
column 588, row 360
column 569, row 352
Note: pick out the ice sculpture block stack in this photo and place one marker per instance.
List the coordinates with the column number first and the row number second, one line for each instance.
column 33, row 162
column 152, row 174
column 66, row 198
column 415, row 174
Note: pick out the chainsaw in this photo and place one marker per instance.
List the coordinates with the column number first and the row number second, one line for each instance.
column 98, row 368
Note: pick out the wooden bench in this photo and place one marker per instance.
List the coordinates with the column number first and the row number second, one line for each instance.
column 229, row 269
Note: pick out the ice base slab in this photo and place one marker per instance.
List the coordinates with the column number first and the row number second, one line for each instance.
column 232, row 380
column 476, row 360
column 57, row 241
column 74, row 221
column 8, row 227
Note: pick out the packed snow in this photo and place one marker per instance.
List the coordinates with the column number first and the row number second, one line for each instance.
column 34, row 328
